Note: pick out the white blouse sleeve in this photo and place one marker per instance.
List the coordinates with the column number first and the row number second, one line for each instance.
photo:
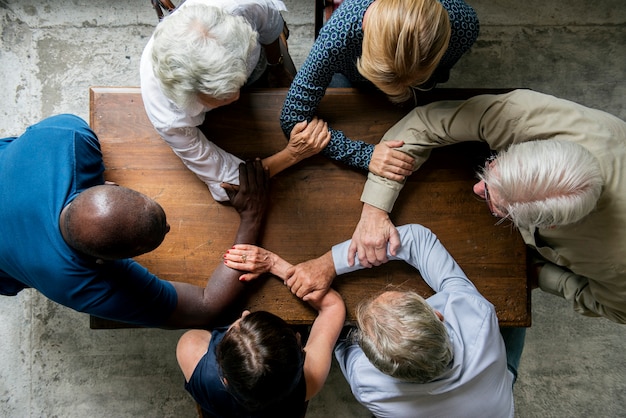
column 180, row 130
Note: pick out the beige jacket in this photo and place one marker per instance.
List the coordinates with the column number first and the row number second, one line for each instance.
column 587, row 260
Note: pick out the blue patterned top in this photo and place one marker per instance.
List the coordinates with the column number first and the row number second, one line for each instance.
column 337, row 49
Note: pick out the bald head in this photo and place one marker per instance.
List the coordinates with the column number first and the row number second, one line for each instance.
column 113, row 222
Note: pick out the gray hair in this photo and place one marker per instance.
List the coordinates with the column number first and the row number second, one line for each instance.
column 545, row 183
column 402, row 336
column 201, row 49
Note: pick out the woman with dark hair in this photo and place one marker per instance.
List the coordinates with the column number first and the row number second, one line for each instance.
column 257, row 366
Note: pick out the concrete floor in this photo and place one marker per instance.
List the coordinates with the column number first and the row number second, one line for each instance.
column 53, row 365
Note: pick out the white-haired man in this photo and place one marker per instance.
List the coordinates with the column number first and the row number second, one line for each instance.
column 559, row 177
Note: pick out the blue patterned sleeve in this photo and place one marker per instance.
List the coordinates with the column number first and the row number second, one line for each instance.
column 334, row 51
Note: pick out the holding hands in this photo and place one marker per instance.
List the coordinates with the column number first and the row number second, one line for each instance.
column 308, row 138
column 371, row 236
column 256, row 261
column 312, row 279
column 309, row 281
column 391, row 163
column 250, row 198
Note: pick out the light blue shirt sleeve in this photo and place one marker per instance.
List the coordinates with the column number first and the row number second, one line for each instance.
column 420, row 248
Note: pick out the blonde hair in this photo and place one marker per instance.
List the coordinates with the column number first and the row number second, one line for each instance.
column 403, row 42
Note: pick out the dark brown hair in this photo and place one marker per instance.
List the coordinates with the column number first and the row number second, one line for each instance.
column 261, row 359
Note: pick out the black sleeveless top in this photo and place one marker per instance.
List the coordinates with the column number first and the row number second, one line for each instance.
column 209, row 392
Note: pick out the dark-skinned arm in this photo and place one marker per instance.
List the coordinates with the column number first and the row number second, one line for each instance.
column 205, row 307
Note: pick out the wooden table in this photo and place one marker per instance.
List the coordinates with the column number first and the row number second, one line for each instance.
column 314, row 205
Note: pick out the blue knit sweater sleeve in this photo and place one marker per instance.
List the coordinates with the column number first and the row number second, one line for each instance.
column 336, row 50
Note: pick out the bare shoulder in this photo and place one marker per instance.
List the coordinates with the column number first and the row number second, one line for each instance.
column 191, row 347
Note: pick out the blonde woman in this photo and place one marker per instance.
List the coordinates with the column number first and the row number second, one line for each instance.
column 397, row 46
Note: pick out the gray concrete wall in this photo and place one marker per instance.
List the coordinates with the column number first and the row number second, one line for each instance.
column 53, row 365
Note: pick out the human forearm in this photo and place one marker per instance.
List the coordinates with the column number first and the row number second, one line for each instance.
column 209, row 306
column 279, row 162
column 322, row 338
column 199, row 307
column 352, row 152
column 418, row 247
column 206, row 160
column 272, row 52
column 306, row 139
column 499, row 120
column 280, row 267
column 488, row 118
column 380, row 192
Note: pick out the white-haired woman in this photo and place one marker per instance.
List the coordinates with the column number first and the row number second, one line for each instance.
column 198, row 59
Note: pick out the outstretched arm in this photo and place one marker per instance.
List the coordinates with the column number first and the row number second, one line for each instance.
column 309, row 280
column 331, row 311
column 420, row 248
column 309, row 87
column 306, row 140
column 331, row 316
column 498, row 120
column 201, row 307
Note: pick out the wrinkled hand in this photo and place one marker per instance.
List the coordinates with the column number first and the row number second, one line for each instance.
column 251, row 258
column 250, row 198
column 391, row 163
column 308, row 138
column 371, row 236
column 311, row 279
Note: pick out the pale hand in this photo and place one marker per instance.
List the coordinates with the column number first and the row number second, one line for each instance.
column 371, row 236
column 391, row 163
column 311, row 279
column 308, row 139
column 256, row 261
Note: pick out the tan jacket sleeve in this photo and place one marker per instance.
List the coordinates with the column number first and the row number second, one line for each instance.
column 578, row 290
column 494, row 119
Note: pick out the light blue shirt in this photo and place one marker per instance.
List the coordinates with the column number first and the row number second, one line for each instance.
column 478, row 384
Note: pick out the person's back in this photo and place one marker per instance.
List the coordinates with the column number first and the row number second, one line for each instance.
column 41, row 171
column 476, row 382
